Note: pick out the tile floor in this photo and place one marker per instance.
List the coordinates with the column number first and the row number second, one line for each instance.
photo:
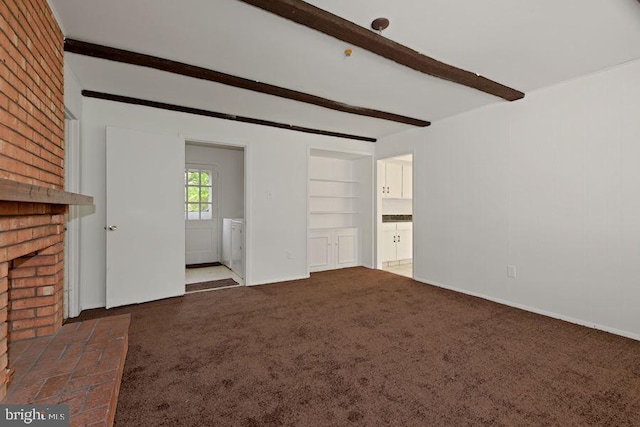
column 197, row 275
column 403, row 268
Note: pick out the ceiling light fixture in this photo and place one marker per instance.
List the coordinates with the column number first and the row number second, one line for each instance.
column 380, row 24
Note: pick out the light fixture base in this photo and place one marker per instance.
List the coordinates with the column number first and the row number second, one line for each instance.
column 380, row 24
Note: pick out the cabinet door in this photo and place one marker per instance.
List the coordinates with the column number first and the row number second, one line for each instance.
column 320, row 251
column 404, row 241
column 389, row 242
column 226, row 242
column 236, row 247
column 394, row 180
column 407, row 182
column 346, row 246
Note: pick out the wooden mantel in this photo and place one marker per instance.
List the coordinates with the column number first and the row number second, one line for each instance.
column 12, row 191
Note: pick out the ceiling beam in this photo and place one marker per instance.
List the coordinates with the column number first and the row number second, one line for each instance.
column 207, row 113
column 320, row 20
column 162, row 64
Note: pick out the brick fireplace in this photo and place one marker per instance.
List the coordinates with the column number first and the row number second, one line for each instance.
column 31, row 280
column 31, row 175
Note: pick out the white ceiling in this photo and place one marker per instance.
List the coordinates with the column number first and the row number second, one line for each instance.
column 523, row 44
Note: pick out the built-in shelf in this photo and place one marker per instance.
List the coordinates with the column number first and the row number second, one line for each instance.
column 346, row 181
column 12, row 191
column 340, row 196
column 333, row 212
column 333, row 197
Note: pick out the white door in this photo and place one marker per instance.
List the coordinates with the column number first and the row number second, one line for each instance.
column 346, row 243
column 145, row 216
column 394, row 180
column 201, row 221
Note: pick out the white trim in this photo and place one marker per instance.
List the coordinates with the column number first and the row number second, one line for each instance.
column 286, row 279
column 72, row 254
column 214, row 289
column 377, row 261
column 247, row 249
column 534, row 310
column 215, row 188
column 56, row 16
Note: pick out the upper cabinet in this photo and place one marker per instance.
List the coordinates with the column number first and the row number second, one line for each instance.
column 407, row 181
column 397, row 180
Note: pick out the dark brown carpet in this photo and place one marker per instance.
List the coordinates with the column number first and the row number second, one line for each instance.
column 212, row 284
column 367, row 348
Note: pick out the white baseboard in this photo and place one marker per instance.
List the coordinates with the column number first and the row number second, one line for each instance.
column 284, row 279
column 534, row 310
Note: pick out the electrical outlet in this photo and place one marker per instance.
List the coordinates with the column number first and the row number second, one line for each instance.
column 289, row 255
column 269, row 195
column 511, row 271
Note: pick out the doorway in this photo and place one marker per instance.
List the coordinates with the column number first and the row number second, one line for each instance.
column 71, row 302
column 395, row 215
column 214, row 196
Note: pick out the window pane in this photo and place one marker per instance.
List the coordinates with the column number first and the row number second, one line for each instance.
column 205, row 178
column 205, row 194
column 193, row 207
column 193, row 177
column 193, row 194
column 206, row 212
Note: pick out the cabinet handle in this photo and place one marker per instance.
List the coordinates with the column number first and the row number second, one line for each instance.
column 398, row 238
column 383, row 187
column 394, row 239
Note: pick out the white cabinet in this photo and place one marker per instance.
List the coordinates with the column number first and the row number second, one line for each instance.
column 340, row 201
column 393, row 181
column 237, row 242
column 226, row 242
column 333, row 248
column 397, row 181
column 232, row 244
column 397, row 241
column 407, row 181
column 404, row 241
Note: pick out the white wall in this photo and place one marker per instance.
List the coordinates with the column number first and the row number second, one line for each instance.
column 550, row 184
column 276, row 162
column 72, row 93
column 397, row 206
column 72, row 254
column 229, row 163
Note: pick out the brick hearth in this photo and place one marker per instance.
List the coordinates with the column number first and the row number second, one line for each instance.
column 80, row 366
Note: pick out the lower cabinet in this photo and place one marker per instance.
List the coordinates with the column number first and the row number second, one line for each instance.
column 333, row 248
column 397, row 241
column 237, row 239
column 232, row 242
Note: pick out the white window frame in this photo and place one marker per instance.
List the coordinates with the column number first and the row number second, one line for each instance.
column 213, row 178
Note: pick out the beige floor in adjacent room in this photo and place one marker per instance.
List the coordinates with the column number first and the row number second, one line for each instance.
column 402, row 269
column 198, row 275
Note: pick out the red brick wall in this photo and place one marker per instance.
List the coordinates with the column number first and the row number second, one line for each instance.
column 32, row 152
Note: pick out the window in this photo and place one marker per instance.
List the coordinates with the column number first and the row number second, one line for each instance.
column 198, row 194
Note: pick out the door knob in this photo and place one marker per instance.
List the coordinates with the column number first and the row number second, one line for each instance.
column 113, row 227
